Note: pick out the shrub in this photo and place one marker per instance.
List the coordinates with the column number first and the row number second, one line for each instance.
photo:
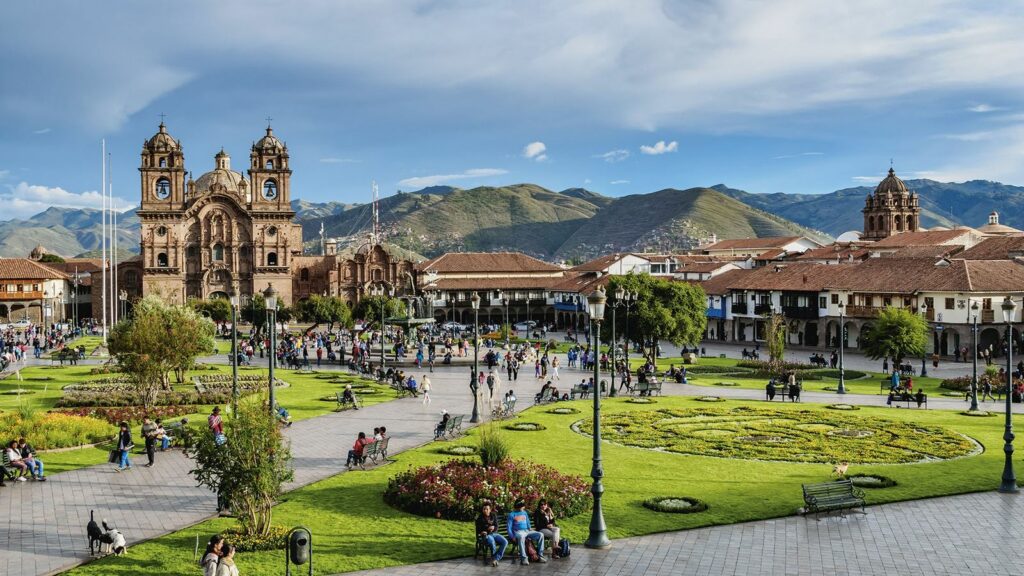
column 774, row 366
column 115, row 414
column 275, row 539
column 45, row 431
column 716, row 370
column 871, row 481
column 492, row 445
column 453, row 489
column 675, row 504
column 132, row 398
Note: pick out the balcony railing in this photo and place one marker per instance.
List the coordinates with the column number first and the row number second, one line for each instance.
column 716, row 313
column 5, row 295
column 739, row 307
column 800, row 312
column 762, row 309
column 988, row 316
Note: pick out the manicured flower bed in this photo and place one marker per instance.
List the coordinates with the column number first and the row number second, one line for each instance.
column 726, row 384
column 525, row 426
column 642, row 400
column 850, row 407
column 454, row 489
column 130, row 398
column 871, row 481
column 709, row 399
column 115, row 414
column 45, row 431
column 461, row 450
column 781, row 435
column 273, row 541
column 563, row 410
column 978, row 413
column 675, row 504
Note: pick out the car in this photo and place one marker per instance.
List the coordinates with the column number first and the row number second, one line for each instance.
column 21, row 324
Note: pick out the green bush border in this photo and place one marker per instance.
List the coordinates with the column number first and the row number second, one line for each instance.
column 885, row 481
column 656, row 505
column 514, row 427
column 275, row 541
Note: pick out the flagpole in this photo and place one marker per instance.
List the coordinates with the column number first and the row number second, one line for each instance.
column 103, row 240
column 113, row 239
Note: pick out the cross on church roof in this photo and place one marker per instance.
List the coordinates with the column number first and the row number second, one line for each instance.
column 162, row 116
column 268, row 119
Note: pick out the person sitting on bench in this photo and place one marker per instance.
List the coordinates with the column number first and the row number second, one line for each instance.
column 770, row 389
column 355, row 455
column 443, row 424
column 519, row 529
column 282, row 415
column 487, row 529
column 348, row 397
column 919, row 397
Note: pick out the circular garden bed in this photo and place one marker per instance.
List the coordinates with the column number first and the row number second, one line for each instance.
column 784, row 435
column 978, row 413
column 642, row 400
column 709, row 399
column 849, row 407
column 563, row 410
column 454, row 489
column 871, row 481
column 726, row 384
column 462, row 450
column 675, row 504
column 525, row 426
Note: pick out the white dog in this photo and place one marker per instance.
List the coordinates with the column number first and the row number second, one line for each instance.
column 113, row 541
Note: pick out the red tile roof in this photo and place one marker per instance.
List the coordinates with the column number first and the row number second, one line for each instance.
column 995, row 248
column 601, row 263
column 486, row 262
column 25, row 269
column 496, row 282
column 926, row 238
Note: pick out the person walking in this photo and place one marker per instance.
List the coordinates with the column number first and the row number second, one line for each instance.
column 149, row 436
column 216, row 426
column 425, row 388
column 124, row 445
column 554, row 368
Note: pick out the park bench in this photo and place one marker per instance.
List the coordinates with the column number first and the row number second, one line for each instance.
column 544, row 397
column 580, row 391
column 781, row 392
column 911, row 400
column 512, row 551
column 344, row 404
column 505, row 410
column 401, row 390
column 373, row 452
column 454, row 427
column 640, row 389
column 653, row 387
column 7, row 472
column 828, row 496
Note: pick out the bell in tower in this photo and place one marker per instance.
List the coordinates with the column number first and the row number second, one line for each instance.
column 269, row 173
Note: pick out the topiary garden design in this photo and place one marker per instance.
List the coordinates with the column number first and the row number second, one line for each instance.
column 781, row 435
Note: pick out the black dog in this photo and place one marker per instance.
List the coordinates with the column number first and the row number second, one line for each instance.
column 94, row 532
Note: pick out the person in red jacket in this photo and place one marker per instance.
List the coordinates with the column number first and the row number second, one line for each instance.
column 355, row 455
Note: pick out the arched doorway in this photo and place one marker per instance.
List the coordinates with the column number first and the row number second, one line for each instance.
column 990, row 339
column 811, row 334
column 218, row 295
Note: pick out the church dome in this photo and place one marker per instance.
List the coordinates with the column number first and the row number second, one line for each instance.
column 38, row 252
column 162, row 141
column 269, row 142
column 891, row 185
column 220, row 178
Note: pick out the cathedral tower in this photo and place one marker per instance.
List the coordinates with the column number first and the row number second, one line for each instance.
column 892, row 209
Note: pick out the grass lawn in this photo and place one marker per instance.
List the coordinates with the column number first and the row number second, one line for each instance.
column 353, row 529
column 868, row 384
column 42, row 387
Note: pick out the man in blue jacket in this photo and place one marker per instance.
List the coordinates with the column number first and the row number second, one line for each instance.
column 519, row 529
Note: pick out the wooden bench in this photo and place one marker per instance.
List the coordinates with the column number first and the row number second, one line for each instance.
column 910, row 399
column 781, row 392
column 579, row 391
column 374, row 451
column 344, row 404
column 828, row 496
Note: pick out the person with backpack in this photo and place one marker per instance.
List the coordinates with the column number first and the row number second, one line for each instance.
column 519, row 529
column 544, row 520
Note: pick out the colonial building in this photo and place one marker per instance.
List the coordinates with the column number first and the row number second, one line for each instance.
column 32, row 291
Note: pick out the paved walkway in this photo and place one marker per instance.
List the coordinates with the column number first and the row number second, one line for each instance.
column 42, row 524
column 974, row 534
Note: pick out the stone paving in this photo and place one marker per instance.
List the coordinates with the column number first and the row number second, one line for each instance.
column 974, row 534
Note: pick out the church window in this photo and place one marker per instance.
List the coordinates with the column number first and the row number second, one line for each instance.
column 191, row 252
column 271, row 258
column 304, row 275
column 243, row 251
column 161, row 260
column 163, row 162
column 131, row 278
column 377, row 275
column 218, row 253
column 871, row 223
column 163, row 188
column 899, row 223
column 271, row 231
column 270, row 164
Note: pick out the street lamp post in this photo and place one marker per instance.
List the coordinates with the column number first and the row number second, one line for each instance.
column 270, row 295
column 1009, row 483
column 598, row 537
column 381, row 291
column 473, row 383
column 630, row 301
column 974, row 358
column 122, row 296
column 842, row 374
column 233, row 298
column 924, row 355
column 620, row 300
column 504, row 302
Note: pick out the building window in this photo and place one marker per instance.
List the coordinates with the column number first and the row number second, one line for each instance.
column 822, row 302
column 986, row 303
column 131, row 278
column 161, row 260
column 930, row 303
column 835, row 299
column 163, row 162
column 887, row 301
column 191, row 252
column 271, row 258
column 218, row 253
column 950, row 303
column 304, row 275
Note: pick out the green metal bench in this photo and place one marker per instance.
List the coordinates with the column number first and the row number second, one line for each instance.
column 839, row 495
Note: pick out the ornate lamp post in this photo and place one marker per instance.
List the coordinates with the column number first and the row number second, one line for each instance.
column 504, row 302
column 270, row 295
column 473, row 384
column 924, row 355
column 974, row 357
column 842, row 374
column 1009, row 483
column 381, row 291
column 598, row 531
column 620, row 300
column 233, row 298
column 122, row 296
column 630, row 301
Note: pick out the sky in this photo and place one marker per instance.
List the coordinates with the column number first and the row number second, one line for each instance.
column 619, row 97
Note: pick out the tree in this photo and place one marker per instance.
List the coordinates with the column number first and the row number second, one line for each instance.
column 250, row 469
column 51, row 259
column 673, row 311
column 368, row 308
column 216, row 309
column 775, row 333
column 324, row 309
column 897, row 333
column 156, row 339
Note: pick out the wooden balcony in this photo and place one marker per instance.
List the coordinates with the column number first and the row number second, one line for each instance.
column 6, row 296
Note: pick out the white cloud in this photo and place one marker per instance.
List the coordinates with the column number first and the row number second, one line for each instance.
column 613, row 156
column 660, row 147
column 26, row 199
column 4, row 174
column 434, row 180
column 982, row 108
column 800, row 155
column 333, row 160
column 867, row 179
column 41, row 131
column 586, row 180
column 969, row 136
column 619, row 182
column 535, row 151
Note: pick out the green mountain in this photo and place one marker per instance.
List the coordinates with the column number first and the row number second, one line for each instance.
column 673, row 219
column 942, row 204
column 65, row 231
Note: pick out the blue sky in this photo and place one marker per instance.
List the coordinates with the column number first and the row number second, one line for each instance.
column 618, row 97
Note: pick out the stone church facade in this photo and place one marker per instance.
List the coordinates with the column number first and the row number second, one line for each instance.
column 202, row 237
